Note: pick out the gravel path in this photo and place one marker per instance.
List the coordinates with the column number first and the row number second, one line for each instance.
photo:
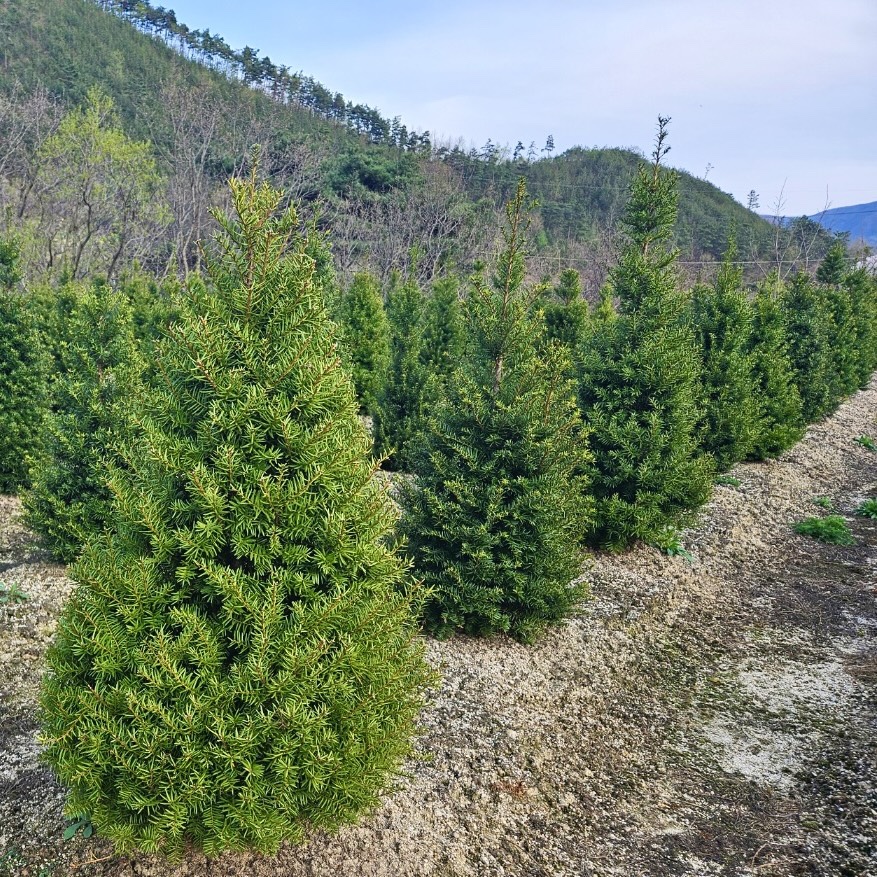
column 716, row 717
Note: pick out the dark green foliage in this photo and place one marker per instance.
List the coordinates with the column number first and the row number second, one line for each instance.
column 366, row 338
column 834, row 266
column 23, row 375
column 443, row 331
column 566, row 312
column 723, row 328
column 10, row 263
column 862, row 290
column 403, row 397
column 499, row 504
column 809, row 332
column 238, row 664
column 832, row 529
column 99, row 374
column 639, row 380
column 781, row 421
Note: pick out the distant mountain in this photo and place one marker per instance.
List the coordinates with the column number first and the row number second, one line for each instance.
column 860, row 220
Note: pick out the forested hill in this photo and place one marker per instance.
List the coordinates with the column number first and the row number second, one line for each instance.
column 382, row 189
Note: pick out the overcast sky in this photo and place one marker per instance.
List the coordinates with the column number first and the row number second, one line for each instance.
column 771, row 95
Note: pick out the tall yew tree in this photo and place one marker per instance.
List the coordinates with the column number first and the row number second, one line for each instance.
column 239, row 662
column 723, row 326
column 639, row 378
column 496, row 513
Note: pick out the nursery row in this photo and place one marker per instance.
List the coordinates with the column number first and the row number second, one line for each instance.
column 241, row 659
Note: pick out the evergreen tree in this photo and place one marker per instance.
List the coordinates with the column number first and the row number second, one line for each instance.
column 862, row 289
column 566, row 313
column 443, row 338
column 781, row 422
column 100, row 369
column 834, row 266
column 723, row 328
column 499, row 504
column 639, row 379
column 366, row 336
column 23, row 375
column 402, row 399
column 238, row 663
column 809, row 332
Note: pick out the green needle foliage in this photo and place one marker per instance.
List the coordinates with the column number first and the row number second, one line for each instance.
column 781, row 422
column 239, row 662
column 496, row 513
column 639, row 378
column 566, row 312
column 100, row 370
column 366, row 335
column 23, row 376
column 862, row 288
column 723, row 326
column 443, row 331
column 809, row 331
column 403, row 397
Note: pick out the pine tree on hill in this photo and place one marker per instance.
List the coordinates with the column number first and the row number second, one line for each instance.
column 723, row 325
column 366, row 337
column 781, row 422
column 494, row 518
column 100, row 371
column 239, row 663
column 639, row 376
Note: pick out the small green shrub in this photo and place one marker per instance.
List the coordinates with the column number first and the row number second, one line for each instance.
column 670, row 542
column 727, row 481
column 833, row 530
column 868, row 509
column 824, row 503
column 867, row 443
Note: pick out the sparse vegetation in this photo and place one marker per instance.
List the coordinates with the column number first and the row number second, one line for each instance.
column 727, row 481
column 832, row 529
column 867, row 443
column 868, row 509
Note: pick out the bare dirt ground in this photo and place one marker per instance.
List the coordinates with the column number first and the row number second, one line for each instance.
column 717, row 717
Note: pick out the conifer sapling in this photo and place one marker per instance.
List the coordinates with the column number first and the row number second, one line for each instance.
column 239, row 662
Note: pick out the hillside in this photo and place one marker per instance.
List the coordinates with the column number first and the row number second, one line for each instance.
column 857, row 220
column 381, row 189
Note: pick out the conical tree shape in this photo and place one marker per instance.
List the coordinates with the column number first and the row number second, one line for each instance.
column 100, row 369
column 833, row 268
column 402, row 400
column 238, row 662
column 24, row 371
column 443, row 332
column 495, row 515
column 781, row 422
column 809, row 332
column 366, row 337
column 639, row 380
column 862, row 289
column 723, row 326
column 566, row 312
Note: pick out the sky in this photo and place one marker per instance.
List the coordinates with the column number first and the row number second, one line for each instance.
column 776, row 96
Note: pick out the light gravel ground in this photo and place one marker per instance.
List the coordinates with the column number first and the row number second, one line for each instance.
column 712, row 718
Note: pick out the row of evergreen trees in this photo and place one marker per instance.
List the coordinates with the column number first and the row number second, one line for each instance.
column 240, row 660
